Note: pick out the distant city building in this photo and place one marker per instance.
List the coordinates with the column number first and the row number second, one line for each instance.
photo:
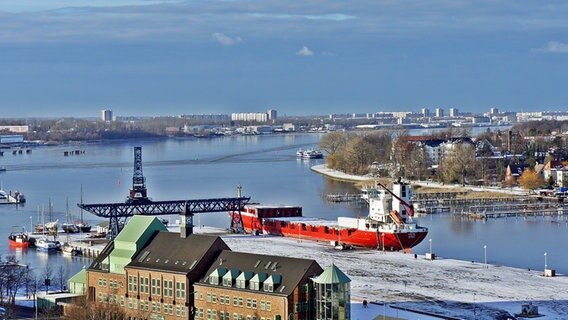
column 493, row 111
column 439, row 112
column 254, row 116
column 272, row 114
column 401, row 114
column 481, row 120
column 15, row 129
column 542, row 115
column 454, row 113
column 206, row 117
column 106, row 115
column 11, row 139
column 425, row 112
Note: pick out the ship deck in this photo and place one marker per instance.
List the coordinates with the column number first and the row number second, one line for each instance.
column 306, row 220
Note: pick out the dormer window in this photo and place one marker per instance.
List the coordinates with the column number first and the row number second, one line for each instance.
column 272, row 283
column 227, row 282
column 256, row 282
column 216, row 275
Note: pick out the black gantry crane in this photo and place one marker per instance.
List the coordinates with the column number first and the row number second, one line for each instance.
column 138, row 203
column 138, row 192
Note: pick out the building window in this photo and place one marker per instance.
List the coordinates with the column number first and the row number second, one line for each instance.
column 132, row 283
column 143, row 285
column 213, row 280
column 268, row 306
column 168, row 288
column 214, row 298
column 208, row 297
column 156, row 287
column 235, row 301
column 255, row 285
column 227, row 282
column 249, row 304
column 262, row 305
column 253, row 304
column 268, row 287
column 240, row 302
column 180, row 290
column 241, row 284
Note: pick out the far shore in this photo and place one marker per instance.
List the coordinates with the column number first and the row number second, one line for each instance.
column 425, row 186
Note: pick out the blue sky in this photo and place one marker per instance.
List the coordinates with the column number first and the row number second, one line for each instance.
column 136, row 57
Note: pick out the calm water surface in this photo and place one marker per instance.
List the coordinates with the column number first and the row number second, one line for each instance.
column 266, row 167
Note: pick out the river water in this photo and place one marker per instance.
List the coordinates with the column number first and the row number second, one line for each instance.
column 267, row 169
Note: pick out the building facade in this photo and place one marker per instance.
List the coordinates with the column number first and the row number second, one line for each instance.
column 244, row 286
column 149, row 272
column 106, row 115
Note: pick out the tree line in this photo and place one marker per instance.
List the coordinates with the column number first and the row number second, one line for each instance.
column 482, row 160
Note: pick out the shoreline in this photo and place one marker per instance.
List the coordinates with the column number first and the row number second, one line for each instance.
column 345, row 177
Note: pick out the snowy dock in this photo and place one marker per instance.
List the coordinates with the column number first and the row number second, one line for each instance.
column 346, row 197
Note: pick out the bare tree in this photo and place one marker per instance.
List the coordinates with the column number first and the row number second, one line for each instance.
column 13, row 277
column 457, row 164
column 61, row 277
column 333, row 142
column 47, row 277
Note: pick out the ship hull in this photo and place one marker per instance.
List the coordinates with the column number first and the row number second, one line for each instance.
column 19, row 244
column 389, row 240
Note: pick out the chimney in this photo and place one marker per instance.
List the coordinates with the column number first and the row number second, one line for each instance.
column 185, row 222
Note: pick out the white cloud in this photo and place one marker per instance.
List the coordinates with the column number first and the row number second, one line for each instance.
column 555, row 47
column 305, row 52
column 225, row 39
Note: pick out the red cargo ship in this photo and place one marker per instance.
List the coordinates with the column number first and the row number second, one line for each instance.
column 385, row 228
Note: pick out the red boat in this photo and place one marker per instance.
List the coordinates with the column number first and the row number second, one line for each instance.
column 20, row 239
column 386, row 227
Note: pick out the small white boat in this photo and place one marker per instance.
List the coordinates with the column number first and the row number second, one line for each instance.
column 69, row 250
column 45, row 244
column 309, row 154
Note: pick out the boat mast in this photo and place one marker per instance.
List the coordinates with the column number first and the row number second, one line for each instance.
column 81, row 228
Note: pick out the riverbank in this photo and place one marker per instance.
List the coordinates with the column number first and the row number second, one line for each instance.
column 425, row 185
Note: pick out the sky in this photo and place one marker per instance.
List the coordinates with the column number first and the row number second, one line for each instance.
column 138, row 57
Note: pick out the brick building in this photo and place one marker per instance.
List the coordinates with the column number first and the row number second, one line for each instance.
column 244, row 286
column 149, row 272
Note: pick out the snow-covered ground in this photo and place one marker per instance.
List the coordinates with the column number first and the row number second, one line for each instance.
column 447, row 287
column 460, row 289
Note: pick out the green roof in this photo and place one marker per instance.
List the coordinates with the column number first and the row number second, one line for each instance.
column 135, row 226
column 79, row 277
column 332, row 275
column 131, row 239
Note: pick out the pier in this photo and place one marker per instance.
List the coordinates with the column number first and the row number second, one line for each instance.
column 347, row 197
column 504, row 210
